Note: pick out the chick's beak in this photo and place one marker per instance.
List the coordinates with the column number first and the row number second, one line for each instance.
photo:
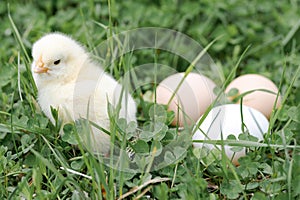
column 40, row 66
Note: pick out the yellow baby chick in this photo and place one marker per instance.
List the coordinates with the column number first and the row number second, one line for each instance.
column 68, row 80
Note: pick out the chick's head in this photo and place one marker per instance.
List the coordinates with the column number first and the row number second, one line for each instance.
column 57, row 57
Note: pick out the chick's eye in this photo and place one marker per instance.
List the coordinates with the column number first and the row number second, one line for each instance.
column 56, row 62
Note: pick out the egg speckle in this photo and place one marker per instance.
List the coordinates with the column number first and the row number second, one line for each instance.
column 225, row 120
column 263, row 101
column 190, row 101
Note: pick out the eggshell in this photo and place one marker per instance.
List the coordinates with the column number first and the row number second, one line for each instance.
column 192, row 98
column 226, row 120
column 260, row 100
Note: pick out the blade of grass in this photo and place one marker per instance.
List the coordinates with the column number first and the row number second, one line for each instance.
column 228, row 79
column 135, row 189
column 19, row 77
column 191, row 67
column 285, row 97
column 244, row 143
column 291, row 33
column 27, row 58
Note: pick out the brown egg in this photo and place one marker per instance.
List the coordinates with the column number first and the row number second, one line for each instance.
column 192, row 98
column 262, row 101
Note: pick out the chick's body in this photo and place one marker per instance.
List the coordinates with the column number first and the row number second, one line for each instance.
column 69, row 81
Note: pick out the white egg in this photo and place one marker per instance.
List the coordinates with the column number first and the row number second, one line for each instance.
column 225, row 120
column 191, row 99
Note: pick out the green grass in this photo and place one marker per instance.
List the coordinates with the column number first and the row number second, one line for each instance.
column 255, row 37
